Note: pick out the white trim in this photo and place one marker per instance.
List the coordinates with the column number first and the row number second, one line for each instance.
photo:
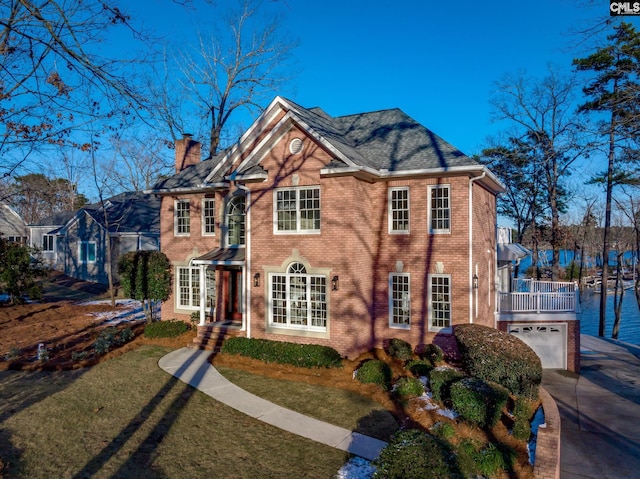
column 390, row 210
column 433, row 328
column 202, row 217
column 298, row 229
column 430, row 188
column 95, row 252
column 175, row 216
column 472, row 292
column 392, row 324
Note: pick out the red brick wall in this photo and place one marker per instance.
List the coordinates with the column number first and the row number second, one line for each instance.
column 355, row 245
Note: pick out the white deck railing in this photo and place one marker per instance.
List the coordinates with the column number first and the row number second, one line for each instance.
column 529, row 295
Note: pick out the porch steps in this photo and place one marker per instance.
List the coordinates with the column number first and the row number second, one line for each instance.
column 210, row 337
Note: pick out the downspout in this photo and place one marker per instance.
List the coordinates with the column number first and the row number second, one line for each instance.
column 474, row 292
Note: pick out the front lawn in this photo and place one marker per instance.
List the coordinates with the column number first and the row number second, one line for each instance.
column 127, row 418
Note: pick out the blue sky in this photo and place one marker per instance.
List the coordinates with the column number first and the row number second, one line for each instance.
column 438, row 61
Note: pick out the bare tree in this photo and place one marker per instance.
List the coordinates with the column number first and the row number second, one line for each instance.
column 235, row 66
column 51, row 55
column 541, row 113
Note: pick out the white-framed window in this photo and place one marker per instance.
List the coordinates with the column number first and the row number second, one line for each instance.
column 439, row 209
column 48, row 243
column 188, row 287
column 399, row 300
column 236, row 221
column 439, row 302
column 298, row 300
column 87, row 251
column 399, row 210
column 182, row 218
column 296, row 210
column 208, row 216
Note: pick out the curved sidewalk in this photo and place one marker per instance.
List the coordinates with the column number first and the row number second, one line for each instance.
column 600, row 411
column 192, row 367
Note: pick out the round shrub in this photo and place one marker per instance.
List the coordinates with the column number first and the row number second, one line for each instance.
column 376, row 372
column 479, row 402
column 440, row 381
column 475, row 459
column 412, row 454
column 432, row 353
column 419, row 368
column 408, row 388
column 522, row 412
column 496, row 356
column 443, row 430
column 400, row 349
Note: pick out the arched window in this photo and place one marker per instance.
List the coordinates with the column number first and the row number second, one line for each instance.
column 236, row 221
column 298, row 299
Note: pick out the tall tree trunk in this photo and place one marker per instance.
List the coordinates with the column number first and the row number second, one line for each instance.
column 617, row 302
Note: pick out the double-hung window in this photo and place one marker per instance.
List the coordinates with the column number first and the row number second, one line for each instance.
column 48, row 242
column 87, row 252
column 439, row 209
column 399, row 210
column 236, row 222
column 208, row 216
column 188, row 287
column 297, row 210
column 298, row 299
column 439, row 302
column 399, row 300
column 182, row 218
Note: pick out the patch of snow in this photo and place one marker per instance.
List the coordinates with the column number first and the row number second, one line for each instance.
column 428, row 404
column 356, row 468
column 126, row 311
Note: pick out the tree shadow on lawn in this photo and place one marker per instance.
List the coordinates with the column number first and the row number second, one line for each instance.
column 20, row 390
column 140, row 461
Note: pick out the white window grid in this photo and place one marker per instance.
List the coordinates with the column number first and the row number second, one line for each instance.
column 399, row 210
column 439, row 209
column 400, row 300
column 48, row 242
column 188, row 287
column 182, row 217
column 236, row 222
column 440, row 302
column 297, row 210
column 208, row 216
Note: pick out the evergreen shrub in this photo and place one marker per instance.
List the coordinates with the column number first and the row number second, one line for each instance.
column 479, row 402
column 299, row 355
column 496, row 356
column 522, row 413
column 400, row 349
column 165, row 329
column 419, row 367
column 408, row 388
column 432, row 353
column 440, row 381
column 376, row 372
column 475, row 459
column 412, row 454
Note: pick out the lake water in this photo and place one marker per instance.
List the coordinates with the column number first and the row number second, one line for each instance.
column 629, row 322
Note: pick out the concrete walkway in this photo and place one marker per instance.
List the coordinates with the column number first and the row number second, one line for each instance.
column 192, row 367
column 600, row 411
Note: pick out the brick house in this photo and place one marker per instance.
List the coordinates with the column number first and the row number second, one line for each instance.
column 344, row 231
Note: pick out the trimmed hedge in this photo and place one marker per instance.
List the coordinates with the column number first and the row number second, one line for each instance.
column 412, row 454
column 496, row 356
column 419, row 367
column 374, row 371
column 522, row 413
column 484, row 460
column 165, row 329
column 440, row 381
column 400, row 349
column 432, row 353
column 479, row 402
column 299, row 355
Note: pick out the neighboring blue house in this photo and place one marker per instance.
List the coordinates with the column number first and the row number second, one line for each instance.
column 75, row 243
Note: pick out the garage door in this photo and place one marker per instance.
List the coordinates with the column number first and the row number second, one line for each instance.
column 549, row 341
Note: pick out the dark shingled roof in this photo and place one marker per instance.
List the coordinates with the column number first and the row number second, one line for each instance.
column 383, row 141
column 131, row 212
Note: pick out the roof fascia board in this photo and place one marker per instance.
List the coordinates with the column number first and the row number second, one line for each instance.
column 254, row 131
column 201, row 188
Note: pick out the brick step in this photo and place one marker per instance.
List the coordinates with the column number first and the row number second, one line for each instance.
column 211, row 338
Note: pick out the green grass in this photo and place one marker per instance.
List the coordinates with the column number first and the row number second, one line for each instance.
column 342, row 408
column 126, row 418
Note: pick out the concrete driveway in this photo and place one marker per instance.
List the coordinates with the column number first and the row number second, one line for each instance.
column 600, row 411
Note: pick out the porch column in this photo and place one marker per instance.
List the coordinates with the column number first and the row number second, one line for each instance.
column 203, row 293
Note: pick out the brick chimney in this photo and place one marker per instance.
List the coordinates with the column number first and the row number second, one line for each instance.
column 187, row 152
